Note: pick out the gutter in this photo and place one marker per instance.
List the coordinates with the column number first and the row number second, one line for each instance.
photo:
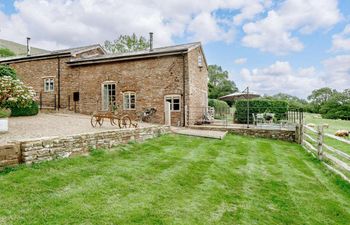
column 31, row 58
column 122, row 58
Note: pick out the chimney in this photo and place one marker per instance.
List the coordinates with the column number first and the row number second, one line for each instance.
column 151, row 41
column 28, row 46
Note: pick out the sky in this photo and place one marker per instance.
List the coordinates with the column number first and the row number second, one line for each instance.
column 272, row 46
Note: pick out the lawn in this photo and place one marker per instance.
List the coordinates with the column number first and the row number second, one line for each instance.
column 179, row 180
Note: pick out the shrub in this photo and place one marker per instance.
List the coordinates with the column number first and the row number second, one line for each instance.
column 30, row 110
column 7, row 71
column 217, row 104
column 278, row 107
column 4, row 113
column 13, row 93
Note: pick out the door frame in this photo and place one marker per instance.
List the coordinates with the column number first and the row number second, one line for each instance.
column 102, row 92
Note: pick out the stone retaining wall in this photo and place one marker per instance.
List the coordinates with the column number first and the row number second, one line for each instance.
column 44, row 149
column 285, row 135
column 9, row 155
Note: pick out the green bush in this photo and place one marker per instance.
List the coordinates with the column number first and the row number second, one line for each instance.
column 31, row 110
column 217, row 104
column 4, row 113
column 278, row 107
column 7, row 71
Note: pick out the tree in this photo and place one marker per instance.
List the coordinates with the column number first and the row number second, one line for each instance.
column 293, row 101
column 320, row 96
column 127, row 43
column 7, row 71
column 5, row 52
column 219, row 84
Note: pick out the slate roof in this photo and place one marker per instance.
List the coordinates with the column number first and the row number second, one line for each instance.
column 169, row 50
column 69, row 51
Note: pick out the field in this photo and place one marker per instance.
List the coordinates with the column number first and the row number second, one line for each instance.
column 178, row 180
column 333, row 126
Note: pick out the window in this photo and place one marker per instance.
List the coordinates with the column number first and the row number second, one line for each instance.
column 129, row 100
column 48, row 84
column 200, row 61
column 174, row 101
column 108, row 94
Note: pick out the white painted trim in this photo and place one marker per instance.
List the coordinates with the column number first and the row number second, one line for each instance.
column 53, row 80
column 129, row 92
column 102, row 94
column 172, row 96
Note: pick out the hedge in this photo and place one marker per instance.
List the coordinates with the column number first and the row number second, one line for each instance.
column 217, row 103
column 32, row 110
column 278, row 107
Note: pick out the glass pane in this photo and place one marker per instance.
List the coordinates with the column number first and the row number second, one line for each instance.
column 176, row 107
column 176, row 100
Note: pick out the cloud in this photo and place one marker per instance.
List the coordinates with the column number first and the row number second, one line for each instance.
column 67, row 23
column 276, row 32
column 337, row 70
column 240, row 61
column 212, row 31
column 281, row 77
column 341, row 41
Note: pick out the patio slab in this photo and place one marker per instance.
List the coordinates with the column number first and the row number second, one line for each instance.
column 199, row 133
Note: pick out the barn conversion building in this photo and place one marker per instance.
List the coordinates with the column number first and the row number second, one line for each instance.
column 88, row 79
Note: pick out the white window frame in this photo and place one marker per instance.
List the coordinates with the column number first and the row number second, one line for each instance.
column 200, row 61
column 47, row 86
column 102, row 94
column 128, row 94
column 172, row 97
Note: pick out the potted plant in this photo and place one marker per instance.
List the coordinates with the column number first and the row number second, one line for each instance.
column 4, row 124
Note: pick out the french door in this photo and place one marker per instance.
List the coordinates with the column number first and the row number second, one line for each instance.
column 108, row 98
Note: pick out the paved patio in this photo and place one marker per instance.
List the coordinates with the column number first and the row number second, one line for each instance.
column 199, row 133
column 52, row 124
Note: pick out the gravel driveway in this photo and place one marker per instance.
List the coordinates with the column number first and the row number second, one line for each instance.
column 51, row 124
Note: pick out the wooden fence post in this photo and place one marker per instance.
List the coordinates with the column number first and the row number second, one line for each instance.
column 320, row 142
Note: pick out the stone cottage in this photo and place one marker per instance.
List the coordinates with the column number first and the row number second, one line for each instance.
column 87, row 79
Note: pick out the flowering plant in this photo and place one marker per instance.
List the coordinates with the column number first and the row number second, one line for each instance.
column 14, row 93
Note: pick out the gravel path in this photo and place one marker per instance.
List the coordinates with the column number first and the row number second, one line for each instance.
column 51, row 124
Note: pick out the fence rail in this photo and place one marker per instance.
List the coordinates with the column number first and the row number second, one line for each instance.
column 333, row 158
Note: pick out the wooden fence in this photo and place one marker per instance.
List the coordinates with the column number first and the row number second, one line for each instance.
column 334, row 159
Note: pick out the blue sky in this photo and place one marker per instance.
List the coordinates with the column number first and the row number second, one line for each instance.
column 291, row 46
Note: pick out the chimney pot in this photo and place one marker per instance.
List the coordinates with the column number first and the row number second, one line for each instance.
column 28, row 46
column 151, row 41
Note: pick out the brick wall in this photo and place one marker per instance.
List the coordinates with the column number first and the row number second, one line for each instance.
column 152, row 79
column 198, row 85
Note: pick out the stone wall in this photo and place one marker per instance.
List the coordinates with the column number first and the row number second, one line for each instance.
column 9, row 155
column 38, row 150
column 285, row 135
